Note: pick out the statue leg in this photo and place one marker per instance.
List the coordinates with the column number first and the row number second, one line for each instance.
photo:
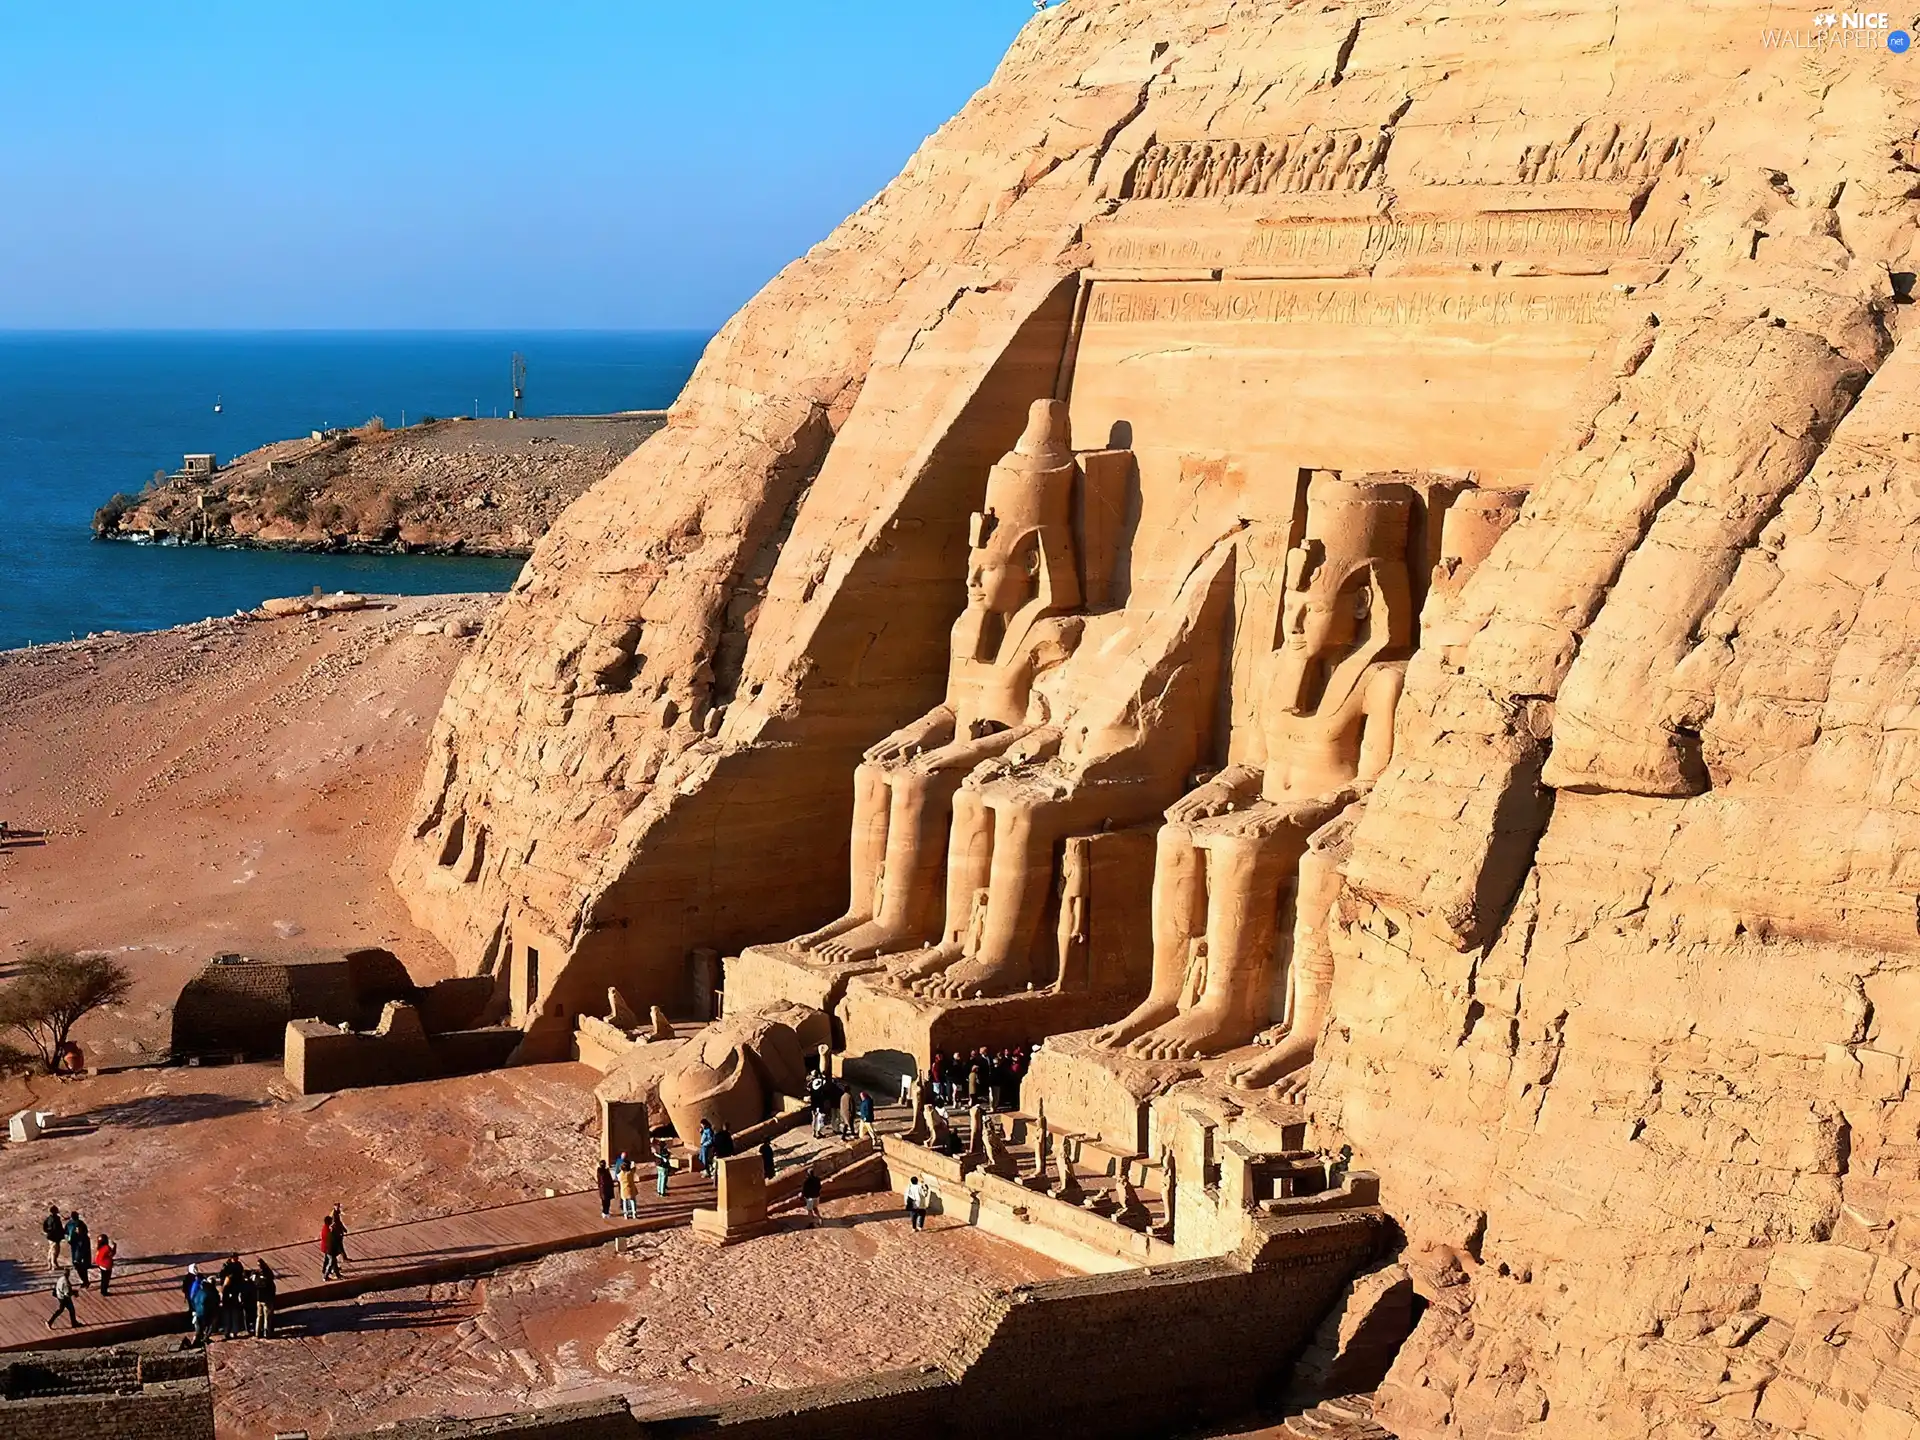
column 1246, row 874
column 870, row 805
column 1179, row 910
column 1017, row 888
column 969, row 865
column 914, row 831
column 1309, row 981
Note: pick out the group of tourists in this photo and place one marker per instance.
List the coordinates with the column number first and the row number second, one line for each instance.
column 234, row 1300
column 84, row 1255
column 834, row 1103
column 620, row 1180
column 990, row 1078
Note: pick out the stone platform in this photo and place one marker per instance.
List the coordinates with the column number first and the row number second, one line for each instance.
column 1090, row 1090
column 889, row 1032
column 765, row 977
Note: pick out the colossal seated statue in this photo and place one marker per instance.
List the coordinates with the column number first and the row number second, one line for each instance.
column 1474, row 523
column 1135, row 708
column 1232, row 848
column 1021, row 579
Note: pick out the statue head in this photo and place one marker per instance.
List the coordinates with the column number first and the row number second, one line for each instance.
column 1022, row 562
column 1474, row 523
column 1347, row 595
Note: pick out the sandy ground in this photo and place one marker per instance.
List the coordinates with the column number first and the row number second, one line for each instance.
column 183, row 1164
column 668, row 1321
column 241, row 786
column 231, row 785
column 186, row 1162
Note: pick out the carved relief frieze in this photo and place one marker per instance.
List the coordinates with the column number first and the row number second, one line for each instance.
column 1319, row 160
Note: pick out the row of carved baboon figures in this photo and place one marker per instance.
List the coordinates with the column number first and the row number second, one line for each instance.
column 1601, row 150
column 1333, row 160
column 1349, row 160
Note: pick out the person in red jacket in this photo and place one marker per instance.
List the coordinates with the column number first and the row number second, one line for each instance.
column 103, row 1254
column 333, row 1245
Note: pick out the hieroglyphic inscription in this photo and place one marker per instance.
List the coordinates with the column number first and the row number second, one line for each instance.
column 1535, row 233
column 1360, row 303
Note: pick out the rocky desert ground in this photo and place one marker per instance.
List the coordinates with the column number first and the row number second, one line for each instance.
column 234, row 785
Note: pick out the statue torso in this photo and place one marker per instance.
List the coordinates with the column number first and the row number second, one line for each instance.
column 1319, row 751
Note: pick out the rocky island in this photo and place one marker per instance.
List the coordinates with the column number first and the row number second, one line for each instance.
column 466, row 486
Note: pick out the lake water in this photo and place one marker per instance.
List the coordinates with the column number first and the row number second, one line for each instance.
column 85, row 415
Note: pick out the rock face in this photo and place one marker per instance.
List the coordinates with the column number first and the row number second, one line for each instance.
column 479, row 487
column 1624, row 959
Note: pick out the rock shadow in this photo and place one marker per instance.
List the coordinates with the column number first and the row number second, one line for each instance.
column 153, row 1112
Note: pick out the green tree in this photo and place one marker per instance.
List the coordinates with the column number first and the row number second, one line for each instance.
column 53, row 990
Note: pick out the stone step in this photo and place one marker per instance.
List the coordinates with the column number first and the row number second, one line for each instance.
column 1351, row 1407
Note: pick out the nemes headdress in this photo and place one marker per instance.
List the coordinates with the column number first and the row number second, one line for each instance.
column 1030, row 492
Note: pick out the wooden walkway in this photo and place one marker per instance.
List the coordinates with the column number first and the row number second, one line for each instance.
column 147, row 1299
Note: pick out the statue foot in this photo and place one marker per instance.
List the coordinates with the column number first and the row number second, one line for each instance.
column 973, row 977
column 1191, row 1036
column 930, row 962
column 862, row 942
column 1143, row 1019
column 1285, row 1065
column 814, row 938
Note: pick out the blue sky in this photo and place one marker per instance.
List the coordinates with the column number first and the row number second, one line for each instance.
column 429, row 165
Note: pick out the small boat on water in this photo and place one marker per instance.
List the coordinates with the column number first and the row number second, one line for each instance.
column 216, row 404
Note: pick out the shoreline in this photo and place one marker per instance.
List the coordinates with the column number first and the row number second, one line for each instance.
column 451, row 550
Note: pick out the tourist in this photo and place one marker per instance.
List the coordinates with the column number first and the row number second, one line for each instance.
column 864, row 1111
column 810, row 1194
column 63, row 1299
column 934, row 1075
column 206, row 1307
column 333, row 1245
column 265, row 1286
column 722, row 1144
column 976, row 1079
column 662, row 1167
column 917, row 1203
column 956, row 1073
column 189, row 1282
column 55, row 1229
column 846, row 1114
column 603, row 1183
column 249, row 1303
column 706, row 1148
column 233, row 1302
column 79, row 1248
column 103, row 1254
column 767, row 1161
column 819, row 1102
column 629, row 1193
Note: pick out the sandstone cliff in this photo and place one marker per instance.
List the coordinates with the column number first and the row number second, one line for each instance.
column 474, row 487
column 1624, row 1006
